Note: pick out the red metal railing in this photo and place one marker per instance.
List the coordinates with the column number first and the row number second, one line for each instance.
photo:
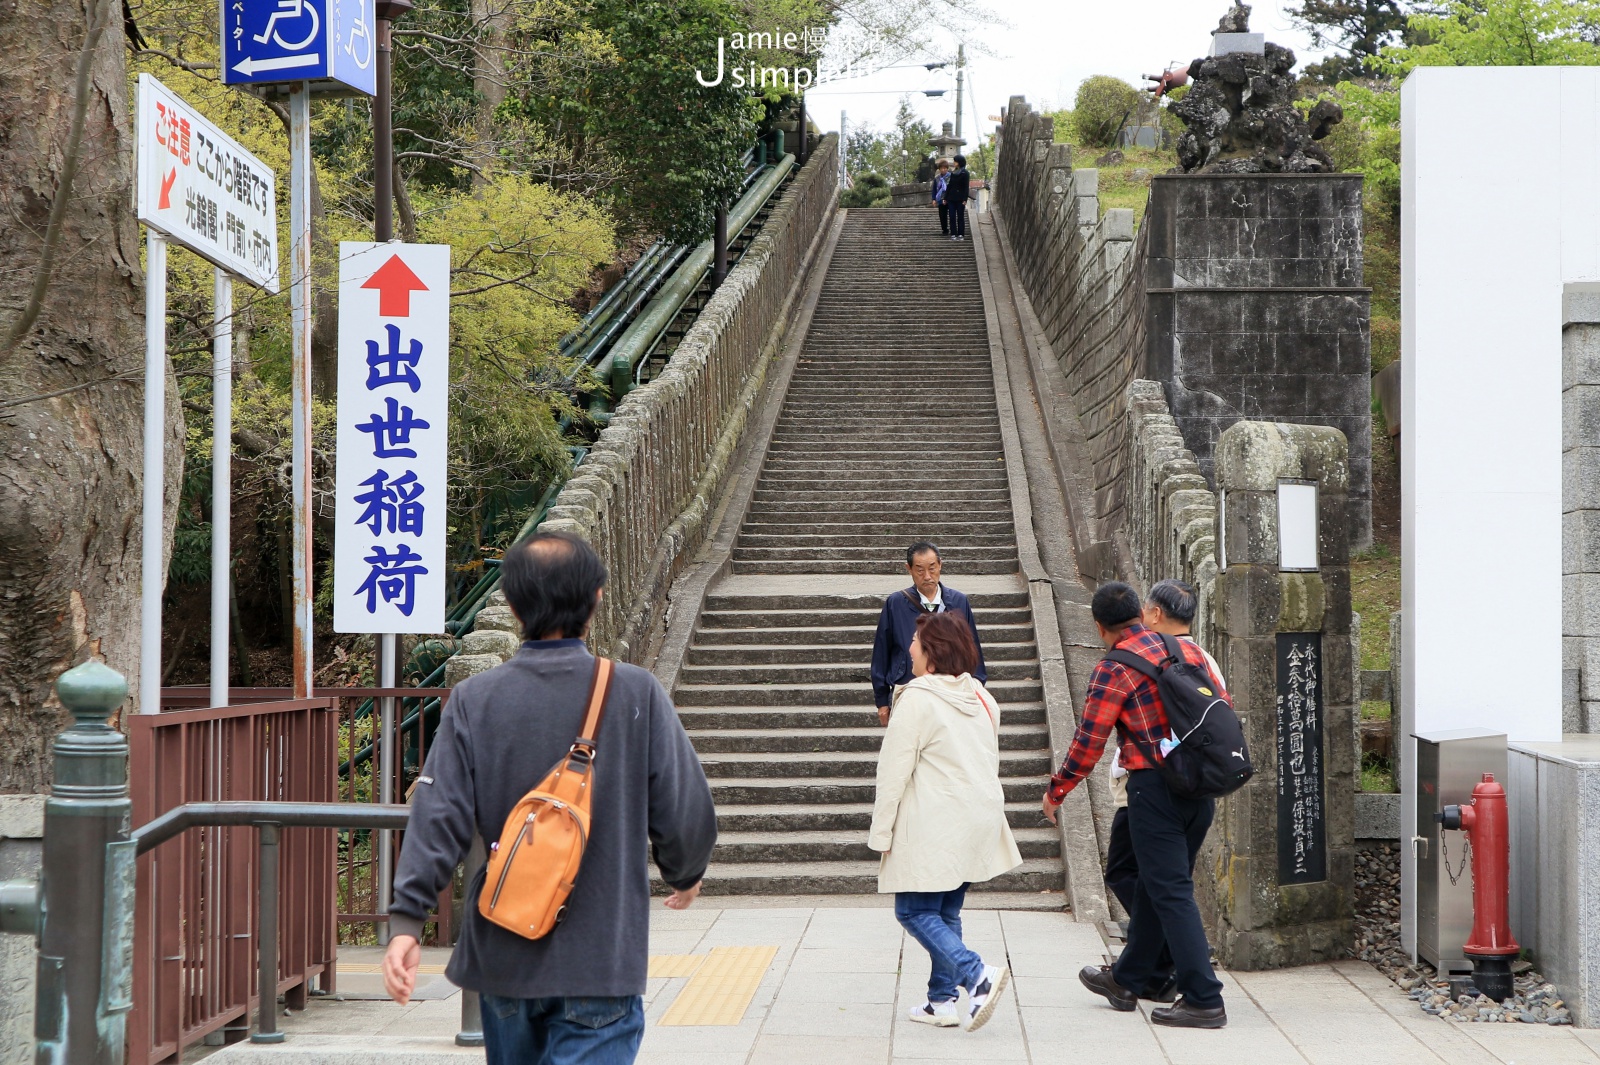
column 197, row 917
column 357, row 885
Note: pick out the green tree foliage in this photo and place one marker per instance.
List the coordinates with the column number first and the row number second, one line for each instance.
column 895, row 154
column 869, row 190
column 1358, row 29
column 669, row 147
column 1101, row 106
column 1493, row 33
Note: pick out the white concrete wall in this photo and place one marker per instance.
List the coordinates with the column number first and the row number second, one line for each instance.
column 1485, row 250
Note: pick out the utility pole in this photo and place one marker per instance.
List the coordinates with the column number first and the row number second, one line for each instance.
column 843, row 139
column 961, row 62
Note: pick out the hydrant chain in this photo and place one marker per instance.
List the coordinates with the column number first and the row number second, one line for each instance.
column 1444, row 854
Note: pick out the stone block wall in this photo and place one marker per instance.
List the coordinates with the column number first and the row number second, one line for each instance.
column 21, row 846
column 1083, row 276
column 643, row 494
column 1580, row 509
column 1256, row 309
column 1241, row 296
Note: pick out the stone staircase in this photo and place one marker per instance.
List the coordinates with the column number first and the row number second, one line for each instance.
column 888, row 434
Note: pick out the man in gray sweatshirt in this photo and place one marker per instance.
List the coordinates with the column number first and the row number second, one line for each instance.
column 575, row 995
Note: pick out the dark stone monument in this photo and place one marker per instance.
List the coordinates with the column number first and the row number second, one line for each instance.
column 1302, row 827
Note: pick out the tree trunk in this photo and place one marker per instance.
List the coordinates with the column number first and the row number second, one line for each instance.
column 493, row 19
column 70, row 438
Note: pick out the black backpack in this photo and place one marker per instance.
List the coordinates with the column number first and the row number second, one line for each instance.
column 1211, row 759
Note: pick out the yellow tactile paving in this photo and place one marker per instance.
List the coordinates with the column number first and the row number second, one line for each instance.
column 721, row 989
column 668, row 965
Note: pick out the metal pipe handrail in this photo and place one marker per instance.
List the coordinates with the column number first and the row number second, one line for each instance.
column 157, row 831
column 269, row 818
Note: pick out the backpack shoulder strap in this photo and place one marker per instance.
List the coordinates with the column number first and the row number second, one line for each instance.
column 1174, row 648
column 1136, row 662
column 599, row 689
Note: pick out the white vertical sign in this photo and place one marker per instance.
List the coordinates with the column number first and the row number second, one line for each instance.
column 394, row 388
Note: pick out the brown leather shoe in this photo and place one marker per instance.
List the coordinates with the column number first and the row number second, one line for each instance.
column 1182, row 1015
column 1098, row 978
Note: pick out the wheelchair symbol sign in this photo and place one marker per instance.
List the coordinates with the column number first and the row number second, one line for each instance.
column 327, row 43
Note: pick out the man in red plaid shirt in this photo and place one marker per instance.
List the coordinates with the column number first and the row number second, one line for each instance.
column 1167, row 830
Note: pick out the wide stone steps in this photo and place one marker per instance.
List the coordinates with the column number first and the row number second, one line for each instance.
column 769, row 790
column 803, row 718
column 836, row 694
column 858, row 738
column 861, row 878
column 822, row 845
column 764, row 655
column 783, row 615
column 889, row 434
column 859, row 637
column 880, row 569
column 834, row 817
column 764, row 673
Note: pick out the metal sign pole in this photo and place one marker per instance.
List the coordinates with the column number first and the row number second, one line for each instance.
column 221, row 478
column 152, row 573
column 386, row 770
column 300, row 373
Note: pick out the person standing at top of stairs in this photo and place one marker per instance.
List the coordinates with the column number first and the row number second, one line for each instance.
column 957, row 190
column 897, row 625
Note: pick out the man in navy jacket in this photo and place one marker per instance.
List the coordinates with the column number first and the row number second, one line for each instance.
column 891, row 647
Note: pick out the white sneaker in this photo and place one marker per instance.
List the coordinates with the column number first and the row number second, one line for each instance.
column 938, row 1014
column 982, row 999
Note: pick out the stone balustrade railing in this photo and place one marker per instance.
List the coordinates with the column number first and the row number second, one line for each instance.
column 644, row 492
column 1171, row 512
column 1084, row 276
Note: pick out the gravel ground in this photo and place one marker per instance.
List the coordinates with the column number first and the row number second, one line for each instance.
column 1378, row 942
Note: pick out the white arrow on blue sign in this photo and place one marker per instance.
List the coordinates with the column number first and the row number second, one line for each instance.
column 329, row 43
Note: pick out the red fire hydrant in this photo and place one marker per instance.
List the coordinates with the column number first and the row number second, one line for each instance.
column 1491, row 946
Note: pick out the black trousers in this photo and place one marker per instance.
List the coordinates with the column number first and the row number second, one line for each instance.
column 944, row 219
column 1122, row 877
column 1167, row 833
column 958, row 218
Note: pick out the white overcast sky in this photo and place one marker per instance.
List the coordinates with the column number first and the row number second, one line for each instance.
column 1042, row 49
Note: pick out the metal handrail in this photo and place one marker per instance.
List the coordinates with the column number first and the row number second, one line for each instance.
column 268, row 818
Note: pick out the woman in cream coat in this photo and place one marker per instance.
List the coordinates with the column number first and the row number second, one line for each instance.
column 940, row 819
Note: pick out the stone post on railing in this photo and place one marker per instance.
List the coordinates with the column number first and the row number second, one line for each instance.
column 1276, row 880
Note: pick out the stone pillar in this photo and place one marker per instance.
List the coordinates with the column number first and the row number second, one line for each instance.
column 1256, row 309
column 1580, row 508
column 1276, row 880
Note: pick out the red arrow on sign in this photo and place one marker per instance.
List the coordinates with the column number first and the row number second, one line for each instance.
column 395, row 283
column 166, row 190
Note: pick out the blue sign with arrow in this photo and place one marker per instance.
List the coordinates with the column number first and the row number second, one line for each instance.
column 328, row 43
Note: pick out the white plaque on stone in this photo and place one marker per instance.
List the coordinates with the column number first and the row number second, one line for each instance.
column 1229, row 43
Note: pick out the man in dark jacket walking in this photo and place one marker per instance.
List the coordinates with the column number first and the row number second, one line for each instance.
column 957, row 190
column 574, row 995
column 891, row 647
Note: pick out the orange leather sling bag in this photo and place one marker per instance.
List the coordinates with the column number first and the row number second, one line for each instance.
column 534, row 866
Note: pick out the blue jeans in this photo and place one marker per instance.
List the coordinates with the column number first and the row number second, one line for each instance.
column 562, row 1031
column 934, row 919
